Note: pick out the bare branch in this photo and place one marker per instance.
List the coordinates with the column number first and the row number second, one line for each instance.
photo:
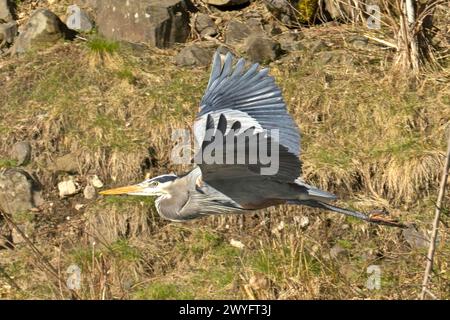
column 437, row 216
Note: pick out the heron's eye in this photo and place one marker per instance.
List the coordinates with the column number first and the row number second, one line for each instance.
column 153, row 184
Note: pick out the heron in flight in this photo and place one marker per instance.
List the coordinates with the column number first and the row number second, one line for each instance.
column 239, row 101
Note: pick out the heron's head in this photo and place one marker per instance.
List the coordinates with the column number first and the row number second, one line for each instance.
column 157, row 186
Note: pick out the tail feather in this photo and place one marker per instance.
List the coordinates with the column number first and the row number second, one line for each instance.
column 326, row 206
column 376, row 219
column 316, row 198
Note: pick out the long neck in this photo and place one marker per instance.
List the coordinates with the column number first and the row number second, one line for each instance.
column 169, row 205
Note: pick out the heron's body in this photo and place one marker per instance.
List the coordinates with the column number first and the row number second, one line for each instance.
column 198, row 198
column 239, row 105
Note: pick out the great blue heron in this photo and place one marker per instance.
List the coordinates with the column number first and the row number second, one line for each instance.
column 237, row 101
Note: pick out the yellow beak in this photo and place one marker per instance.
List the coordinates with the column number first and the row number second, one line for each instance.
column 122, row 190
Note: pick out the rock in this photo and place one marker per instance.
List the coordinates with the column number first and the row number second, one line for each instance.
column 317, row 46
column 334, row 57
column 358, row 42
column 263, row 50
column 8, row 32
column 237, row 244
column 224, row 3
column 27, row 228
column 302, row 221
column 255, row 25
column 96, row 182
column 19, row 191
column 78, row 19
column 193, row 55
column 414, row 238
column 289, row 41
column 5, row 12
column 79, row 206
column 43, row 28
column 283, row 10
column 21, row 152
column 337, row 252
column 68, row 188
column 236, row 32
column 204, row 25
column 89, row 192
column 272, row 29
column 162, row 23
column 67, row 163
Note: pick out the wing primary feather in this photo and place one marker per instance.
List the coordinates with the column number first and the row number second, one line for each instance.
column 238, row 68
column 216, row 69
column 226, row 69
column 229, row 85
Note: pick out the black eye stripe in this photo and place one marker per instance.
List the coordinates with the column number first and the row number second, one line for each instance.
column 162, row 179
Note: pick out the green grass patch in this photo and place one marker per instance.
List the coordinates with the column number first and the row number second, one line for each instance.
column 8, row 163
column 126, row 74
column 126, row 200
column 102, row 45
column 124, row 251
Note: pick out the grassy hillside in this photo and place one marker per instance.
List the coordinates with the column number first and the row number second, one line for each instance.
column 366, row 136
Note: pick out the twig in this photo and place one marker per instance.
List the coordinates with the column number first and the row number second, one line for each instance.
column 432, row 247
column 386, row 43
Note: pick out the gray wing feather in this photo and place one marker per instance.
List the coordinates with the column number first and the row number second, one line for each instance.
column 247, row 99
column 253, row 92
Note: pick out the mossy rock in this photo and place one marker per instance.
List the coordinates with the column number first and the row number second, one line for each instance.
column 307, row 10
column 295, row 13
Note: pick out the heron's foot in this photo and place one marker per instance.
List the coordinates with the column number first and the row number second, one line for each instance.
column 382, row 217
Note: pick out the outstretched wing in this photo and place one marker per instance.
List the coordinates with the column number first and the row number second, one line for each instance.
column 247, row 100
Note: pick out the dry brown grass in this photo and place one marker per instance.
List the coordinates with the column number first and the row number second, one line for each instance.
column 363, row 138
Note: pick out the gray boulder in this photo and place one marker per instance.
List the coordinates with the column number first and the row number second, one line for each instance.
column 204, row 25
column 8, row 32
column 21, row 152
column 225, row 3
column 5, row 12
column 283, row 10
column 193, row 55
column 78, row 19
column 67, row 163
column 236, row 32
column 89, row 192
column 162, row 23
column 415, row 239
column 28, row 228
column 42, row 29
column 19, row 192
column 290, row 41
column 263, row 50
column 317, row 46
